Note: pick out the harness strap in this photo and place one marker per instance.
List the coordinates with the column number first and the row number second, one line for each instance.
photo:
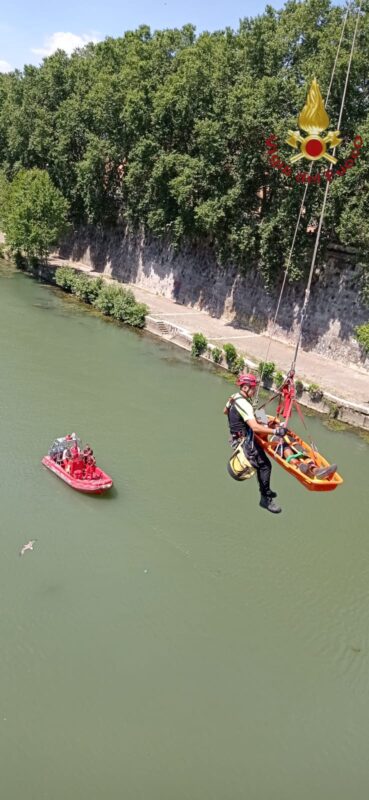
column 295, row 455
column 250, row 434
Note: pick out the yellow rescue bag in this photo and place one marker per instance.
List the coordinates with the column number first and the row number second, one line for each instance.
column 239, row 466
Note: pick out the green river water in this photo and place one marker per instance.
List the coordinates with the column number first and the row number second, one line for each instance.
column 170, row 641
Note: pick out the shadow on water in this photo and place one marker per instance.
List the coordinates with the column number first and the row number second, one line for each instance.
column 108, row 496
column 43, row 306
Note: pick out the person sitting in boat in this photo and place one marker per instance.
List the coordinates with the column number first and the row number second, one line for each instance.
column 66, row 457
column 56, row 455
column 78, row 465
column 72, row 445
column 90, row 467
column 72, row 461
column 89, row 462
column 292, row 451
column 87, row 452
column 74, row 451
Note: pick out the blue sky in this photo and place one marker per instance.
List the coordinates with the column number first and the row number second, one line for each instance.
column 29, row 26
column 30, row 30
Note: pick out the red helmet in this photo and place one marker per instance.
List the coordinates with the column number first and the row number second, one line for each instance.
column 247, row 379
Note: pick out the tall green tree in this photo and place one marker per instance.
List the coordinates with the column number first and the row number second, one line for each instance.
column 166, row 131
column 35, row 213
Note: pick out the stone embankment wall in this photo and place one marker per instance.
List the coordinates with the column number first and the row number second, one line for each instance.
column 193, row 278
column 325, row 403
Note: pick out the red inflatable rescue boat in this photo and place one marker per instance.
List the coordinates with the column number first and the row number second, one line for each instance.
column 76, row 465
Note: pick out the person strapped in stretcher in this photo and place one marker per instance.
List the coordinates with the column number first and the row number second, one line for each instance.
column 292, row 451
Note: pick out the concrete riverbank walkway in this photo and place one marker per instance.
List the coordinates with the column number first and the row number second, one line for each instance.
column 347, row 381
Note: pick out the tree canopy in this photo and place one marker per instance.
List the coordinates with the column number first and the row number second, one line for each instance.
column 167, row 130
column 33, row 212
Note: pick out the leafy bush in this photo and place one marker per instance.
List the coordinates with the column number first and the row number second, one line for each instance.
column 231, row 355
column 362, row 336
column 199, row 344
column 65, row 278
column 4, row 191
column 124, row 300
column 20, row 260
column 87, row 289
column 134, row 314
column 96, row 286
column 106, row 299
column 235, row 362
column 112, row 301
column 334, row 410
column 217, row 355
column 315, row 392
column 238, row 365
column 278, row 378
column 266, row 371
column 120, row 303
column 299, row 386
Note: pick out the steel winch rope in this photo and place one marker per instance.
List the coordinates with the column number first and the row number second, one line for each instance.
column 288, row 263
column 313, row 260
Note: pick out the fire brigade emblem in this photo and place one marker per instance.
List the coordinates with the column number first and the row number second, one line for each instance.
column 313, row 119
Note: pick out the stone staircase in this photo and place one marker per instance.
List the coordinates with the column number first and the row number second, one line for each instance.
column 163, row 327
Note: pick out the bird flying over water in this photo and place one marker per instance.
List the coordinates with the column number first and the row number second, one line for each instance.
column 28, row 546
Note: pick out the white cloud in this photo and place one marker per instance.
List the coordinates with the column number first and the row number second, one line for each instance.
column 5, row 66
column 64, row 41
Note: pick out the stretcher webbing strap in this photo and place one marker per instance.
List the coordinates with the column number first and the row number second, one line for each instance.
column 298, row 454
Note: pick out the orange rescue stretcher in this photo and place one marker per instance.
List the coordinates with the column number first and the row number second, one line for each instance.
column 313, row 484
